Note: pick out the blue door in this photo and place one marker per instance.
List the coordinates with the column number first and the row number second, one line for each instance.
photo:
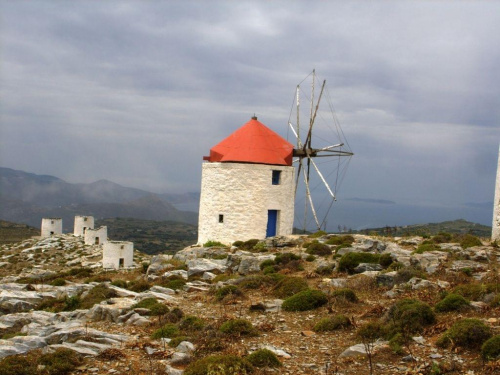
column 272, row 218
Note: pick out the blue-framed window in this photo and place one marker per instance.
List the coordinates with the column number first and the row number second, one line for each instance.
column 276, row 177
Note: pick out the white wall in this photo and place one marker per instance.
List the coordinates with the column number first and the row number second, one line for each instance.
column 495, row 233
column 113, row 251
column 100, row 233
column 243, row 193
column 82, row 223
column 51, row 226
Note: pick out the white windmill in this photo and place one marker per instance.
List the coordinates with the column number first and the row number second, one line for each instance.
column 315, row 142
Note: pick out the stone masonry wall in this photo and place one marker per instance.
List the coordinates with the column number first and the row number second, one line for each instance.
column 495, row 234
column 243, row 194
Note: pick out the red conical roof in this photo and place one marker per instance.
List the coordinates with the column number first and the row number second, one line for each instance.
column 253, row 143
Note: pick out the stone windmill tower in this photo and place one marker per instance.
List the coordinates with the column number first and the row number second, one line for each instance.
column 247, row 187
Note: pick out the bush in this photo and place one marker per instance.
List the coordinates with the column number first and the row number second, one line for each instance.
column 332, row 323
column 305, row 300
column 264, row 358
column 442, row 237
column 139, row 286
column 325, row 270
column 269, row 270
column 18, row 365
column 58, row 282
column 175, row 284
column 249, row 245
column 146, row 303
column 340, row 240
column 255, row 282
column 96, row 295
column 345, row 294
column 473, row 292
column 424, row 247
column 191, row 323
column 319, row 233
column 490, row 350
column 174, row 316
column 158, row 310
column 348, row 262
column 213, row 244
column 466, row 333
column 316, row 248
column 289, row 286
column 411, row 315
column 310, row 258
column 168, row 330
column 227, row 291
column 452, row 302
column 220, row 365
column 284, row 258
column 267, row 263
column 60, row 362
column 238, row 327
column 470, row 241
column 119, row 283
column 406, row 273
column 385, row 260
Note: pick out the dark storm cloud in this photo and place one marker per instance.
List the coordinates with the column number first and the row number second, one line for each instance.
column 137, row 92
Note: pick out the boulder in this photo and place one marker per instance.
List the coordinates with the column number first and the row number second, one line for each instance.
column 250, row 264
column 201, row 265
column 159, row 263
column 363, row 267
column 458, row 265
column 387, row 279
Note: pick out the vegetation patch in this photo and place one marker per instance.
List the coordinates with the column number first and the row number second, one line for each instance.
column 348, row 262
column 96, row 295
column 466, row 333
column 345, row 294
column 332, row 323
column 490, row 350
column 191, row 323
column 316, row 248
column 427, row 246
column 238, row 327
column 167, row 330
column 470, row 240
column 256, row 281
column 213, row 244
column 228, row 291
column 410, row 316
column 289, row 286
column 452, row 302
column 305, row 300
column 220, row 365
column 264, row 358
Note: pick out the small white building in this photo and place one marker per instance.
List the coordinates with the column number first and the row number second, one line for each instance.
column 495, row 233
column 97, row 236
column 247, row 187
column 51, row 226
column 118, row 254
column 82, row 223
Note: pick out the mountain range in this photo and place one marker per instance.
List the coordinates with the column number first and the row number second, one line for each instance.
column 28, row 197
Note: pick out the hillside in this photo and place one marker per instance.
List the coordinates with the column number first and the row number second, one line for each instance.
column 151, row 237
column 14, row 232
column 311, row 312
column 459, row 226
column 27, row 198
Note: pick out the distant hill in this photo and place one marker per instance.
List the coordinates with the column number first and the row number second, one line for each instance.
column 14, row 232
column 151, row 237
column 27, row 198
column 459, row 226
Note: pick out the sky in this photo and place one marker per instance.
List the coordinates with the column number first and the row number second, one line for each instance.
column 137, row 92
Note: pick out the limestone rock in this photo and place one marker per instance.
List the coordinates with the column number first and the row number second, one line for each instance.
column 201, row 265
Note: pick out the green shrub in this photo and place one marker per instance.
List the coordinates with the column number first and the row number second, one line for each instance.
column 191, row 323
column 175, row 284
column 370, row 332
column 96, row 295
column 249, row 244
column 238, row 327
column 139, row 286
column 174, row 315
column 305, row 300
column 345, row 294
column 319, row 233
column 255, row 282
column 58, row 282
column 18, row 365
column 442, row 237
column 406, row 273
column 332, row 323
column 146, row 303
column 385, row 260
column 473, row 292
column 396, row 343
column 348, row 262
column 213, row 244
column 269, row 270
column 284, row 258
column 466, row 333
column 267, row 263
column 310, row 258
column 289, row 286
column 490, row 350
column 168, row 330
column 60, row 362
column 340, row 240
column 228, row 291
column 238, row 243
column 452, row 302
column 410, row 315
column 119, row 283
column 174, row 342
column 470, row 241
column 424, row 247
column 316, row 248
column 220, row 365
column 158, row 310
column 71, row 303
column 264, row 358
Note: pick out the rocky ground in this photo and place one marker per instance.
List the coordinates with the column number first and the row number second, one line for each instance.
column 53, row 294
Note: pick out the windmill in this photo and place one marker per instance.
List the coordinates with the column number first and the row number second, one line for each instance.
column 333, row 157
